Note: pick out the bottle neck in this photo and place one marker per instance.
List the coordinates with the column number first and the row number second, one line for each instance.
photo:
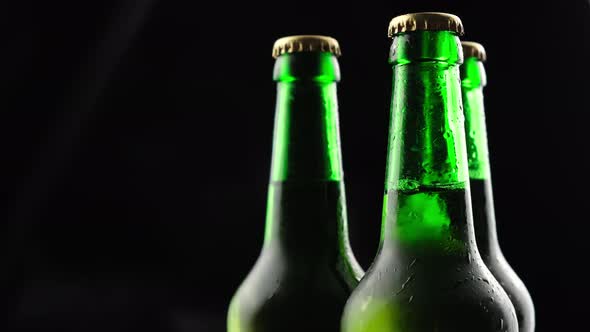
column 473, row 80
column 306, row 144
column 306, row 204
column 427, row 189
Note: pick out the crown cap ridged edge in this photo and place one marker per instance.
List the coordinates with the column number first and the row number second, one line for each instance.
column 305, row 43
column 426, row 21
column 473, row 49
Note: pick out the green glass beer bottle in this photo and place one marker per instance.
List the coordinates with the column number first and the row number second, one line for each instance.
column 428, row 275
column 306, row 269
column 473, row 79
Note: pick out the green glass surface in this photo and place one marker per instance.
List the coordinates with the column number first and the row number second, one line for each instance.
column 473, row 80
column 306, row 269
column 428, row 275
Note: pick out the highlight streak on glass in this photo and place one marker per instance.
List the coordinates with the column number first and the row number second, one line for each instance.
column 331, row 130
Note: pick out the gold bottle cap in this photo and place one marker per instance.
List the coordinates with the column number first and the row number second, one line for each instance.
column 305, row 43
column 473, row 49
column 431, row 21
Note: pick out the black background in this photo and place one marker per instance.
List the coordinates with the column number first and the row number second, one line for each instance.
column 136, row 140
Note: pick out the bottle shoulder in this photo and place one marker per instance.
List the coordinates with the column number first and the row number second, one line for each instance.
column 286, row 275
column 432, row 275
column 515, row 288
column 278, row 293
column 398, row 293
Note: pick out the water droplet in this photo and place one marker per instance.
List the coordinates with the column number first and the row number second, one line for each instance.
column 459, row 282
column 410, row 299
